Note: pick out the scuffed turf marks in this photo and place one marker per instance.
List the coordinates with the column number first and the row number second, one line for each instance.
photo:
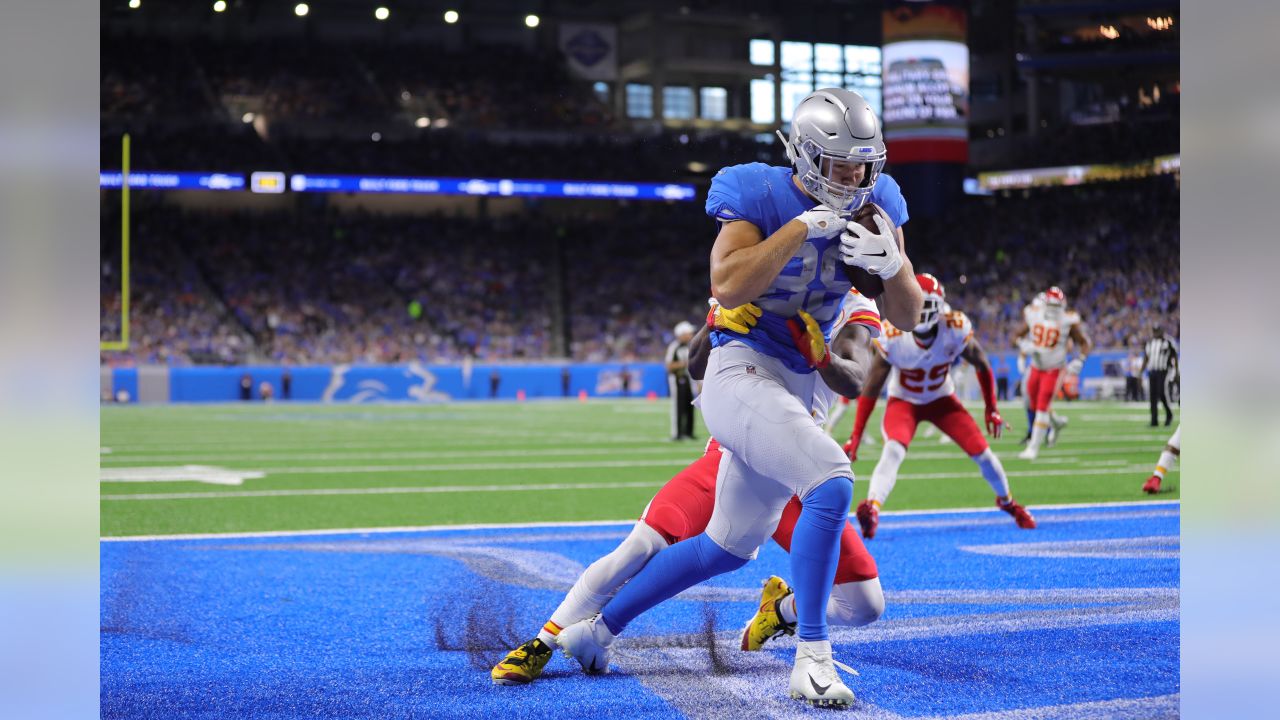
column 408, row 624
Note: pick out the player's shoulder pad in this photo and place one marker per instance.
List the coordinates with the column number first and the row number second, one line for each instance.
column 863, row 311
column 888, row 331
column 735, row 191
column 957, row 320
column 888, row 195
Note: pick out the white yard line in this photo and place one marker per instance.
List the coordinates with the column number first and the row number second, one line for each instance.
column 575, row 523
column 690, row 451
column 309, row 492
column 411, row 489
column 615, row 464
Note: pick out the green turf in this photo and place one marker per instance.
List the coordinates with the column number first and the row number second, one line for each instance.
column 385, row 455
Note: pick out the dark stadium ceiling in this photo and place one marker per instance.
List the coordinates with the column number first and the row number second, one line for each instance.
column 847, row 21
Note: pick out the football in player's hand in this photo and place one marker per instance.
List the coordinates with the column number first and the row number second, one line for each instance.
column 864, row 282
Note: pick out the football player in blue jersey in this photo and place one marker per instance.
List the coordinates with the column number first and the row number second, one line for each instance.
column 777, row 250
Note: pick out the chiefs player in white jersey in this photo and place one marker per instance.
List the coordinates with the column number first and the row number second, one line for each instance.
column 1049, row 324
column 917, row 364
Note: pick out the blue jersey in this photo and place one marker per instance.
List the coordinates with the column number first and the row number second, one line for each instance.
column 813, row 280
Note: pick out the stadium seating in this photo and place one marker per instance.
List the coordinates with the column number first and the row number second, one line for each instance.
column 320, row 286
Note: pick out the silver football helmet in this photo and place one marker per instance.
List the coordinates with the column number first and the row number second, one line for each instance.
column 830, row 127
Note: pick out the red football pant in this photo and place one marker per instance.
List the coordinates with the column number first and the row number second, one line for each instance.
column 682, row 509
column 856, row 564
column 901, row 418
column 1041, row 385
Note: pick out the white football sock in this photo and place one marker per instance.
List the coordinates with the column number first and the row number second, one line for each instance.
column 1166, row 462
column 854, row 604
column 601, row 580
column 886, row 472
column 993, row 472
column 787, row 609
column 1038, row 430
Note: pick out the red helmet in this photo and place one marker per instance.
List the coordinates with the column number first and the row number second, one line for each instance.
column 934, row 300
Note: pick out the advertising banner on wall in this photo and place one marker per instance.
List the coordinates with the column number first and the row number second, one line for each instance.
column 926, row 82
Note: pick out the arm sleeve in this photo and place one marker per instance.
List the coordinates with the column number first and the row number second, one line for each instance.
column 988, row 383
column 724, row 199
column 891, row 199
column 866, row 403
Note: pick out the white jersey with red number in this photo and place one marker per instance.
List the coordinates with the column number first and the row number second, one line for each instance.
column 923, row 374
column 1049, row 329
column 856, row 309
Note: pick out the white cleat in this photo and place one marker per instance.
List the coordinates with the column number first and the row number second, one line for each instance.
column 814, row 679
column 1029, row 454
column 588, row 642
column 1056, row 423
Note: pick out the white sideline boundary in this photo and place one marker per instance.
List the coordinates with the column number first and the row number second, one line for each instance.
column 575, row 523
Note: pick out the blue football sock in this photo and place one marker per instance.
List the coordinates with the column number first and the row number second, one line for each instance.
column 1031, row 419
column 815, row 551
column 677, row 568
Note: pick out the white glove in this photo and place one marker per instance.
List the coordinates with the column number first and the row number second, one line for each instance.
column 1075, row 366
column 875, row 252
column 822, row 222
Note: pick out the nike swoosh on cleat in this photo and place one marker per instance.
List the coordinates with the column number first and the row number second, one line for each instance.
column 820, row 689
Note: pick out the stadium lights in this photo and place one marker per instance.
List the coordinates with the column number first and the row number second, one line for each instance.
column 301, row 9
column 1160, row 23
column 531, row 21
column 135, row 4
column 220, row 6
column 451, row 16
column 1109, row 31
column 382, row 13
column 247, row 118
column 422, row 122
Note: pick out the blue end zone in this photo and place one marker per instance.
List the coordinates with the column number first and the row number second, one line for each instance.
column 1078, row 618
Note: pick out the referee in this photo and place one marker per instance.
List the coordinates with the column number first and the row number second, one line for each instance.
column 1158, row 359
column 680, row 384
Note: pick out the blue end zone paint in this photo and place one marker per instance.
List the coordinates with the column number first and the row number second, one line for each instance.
column 1078, row 618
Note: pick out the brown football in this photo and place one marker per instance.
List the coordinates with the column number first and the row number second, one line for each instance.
column 863, row 281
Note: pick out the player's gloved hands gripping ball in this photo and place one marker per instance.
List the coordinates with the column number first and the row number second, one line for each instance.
column 807, row 335
column 876, row 252
column 740, row 319
column 995, row 423
column 823, row 222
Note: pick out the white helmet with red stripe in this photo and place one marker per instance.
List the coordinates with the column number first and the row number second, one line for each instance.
column 935, row 298
column 1055, row 302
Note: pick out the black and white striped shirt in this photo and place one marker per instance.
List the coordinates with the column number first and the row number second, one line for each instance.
column 678, row 351
column 1161, row 354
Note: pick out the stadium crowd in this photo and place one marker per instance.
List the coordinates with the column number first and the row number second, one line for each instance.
column 319, row 286
column 317, row 106
column 1112, row 247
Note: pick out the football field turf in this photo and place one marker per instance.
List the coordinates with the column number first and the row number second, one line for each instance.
column 330, row 467
column 315, row 588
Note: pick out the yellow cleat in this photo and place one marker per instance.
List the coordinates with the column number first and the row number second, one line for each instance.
column 768, row 623
column 522, row 665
